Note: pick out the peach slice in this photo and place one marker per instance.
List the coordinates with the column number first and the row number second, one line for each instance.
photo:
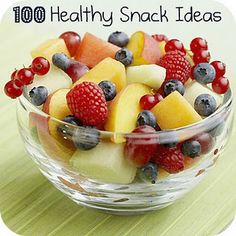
column 124, row 109
column 108, row 69
column 54, row 144
column 145, row 49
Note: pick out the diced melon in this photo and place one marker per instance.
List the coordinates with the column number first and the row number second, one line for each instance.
column 55, row 79
column 107, row 69
column 174, row 111
column 92, row 50
column 106, row 163
column 49, row 48
column 194, row 89
column 151, row 75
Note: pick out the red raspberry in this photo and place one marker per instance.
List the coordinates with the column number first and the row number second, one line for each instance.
column 87, row 102
column 170, row 159
column 177, row 66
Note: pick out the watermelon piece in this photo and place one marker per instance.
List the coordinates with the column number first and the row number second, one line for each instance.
column 92, row 50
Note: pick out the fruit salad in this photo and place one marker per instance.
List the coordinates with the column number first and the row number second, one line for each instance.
column 108, row 100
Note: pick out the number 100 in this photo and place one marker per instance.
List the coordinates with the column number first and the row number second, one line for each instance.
column 27, row 14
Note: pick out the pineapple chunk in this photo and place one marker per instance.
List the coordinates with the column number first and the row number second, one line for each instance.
column 49, row 48
column 106, row 162
column 107, row 69
column 174, row 112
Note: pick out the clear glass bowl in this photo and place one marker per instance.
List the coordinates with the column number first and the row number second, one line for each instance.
column 52, row 153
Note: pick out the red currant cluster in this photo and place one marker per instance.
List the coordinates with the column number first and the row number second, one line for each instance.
column 199, row 47
column 25, row 76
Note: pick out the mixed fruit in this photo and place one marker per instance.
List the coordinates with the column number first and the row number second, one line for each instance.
column 132, row 86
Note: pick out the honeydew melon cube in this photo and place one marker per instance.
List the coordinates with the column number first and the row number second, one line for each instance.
column 174, row 111
column 55, row 79
column 48, row 48
column 194, row 89
column 106, row 162
column 151, row 75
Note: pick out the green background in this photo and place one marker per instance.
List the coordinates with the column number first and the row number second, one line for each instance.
column 30, row 205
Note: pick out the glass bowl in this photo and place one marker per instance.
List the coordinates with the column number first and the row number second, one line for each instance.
column 52, row 153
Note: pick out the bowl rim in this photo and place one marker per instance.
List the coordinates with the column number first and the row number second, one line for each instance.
column 227, row 103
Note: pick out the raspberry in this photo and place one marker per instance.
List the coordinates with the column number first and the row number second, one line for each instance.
column 176, row 65
column 170, row 159
column 87, row 102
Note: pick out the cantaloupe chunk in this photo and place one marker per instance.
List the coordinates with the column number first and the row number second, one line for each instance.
column 49, row 48
column 92, row 50
column 174, row 111
column 108, row 69
column 106, row 162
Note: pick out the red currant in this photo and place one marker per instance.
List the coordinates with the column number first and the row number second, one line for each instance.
column 24, row 77
column 40, row 66
column 13, row 75
column 11, row 90
column 219, row 67
column 160, row 37
column 174, row 44
column 201, row 56
column 147, row 102
column 220, row 85
column 198, row 44
column 139, row 150
column 72, row 41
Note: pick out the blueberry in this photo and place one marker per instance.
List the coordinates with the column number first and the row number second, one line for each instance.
column 124, row 56
column 148, row 173
column 61, row 61
column 38, row 95
column 191, row 148
column 109, row 89
column 173, row 85
column 146, row 117
column 204, row 73
column 72, row 120
column 65, row 130
column 86, row 138
column 205, row 104
column 118, row 38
